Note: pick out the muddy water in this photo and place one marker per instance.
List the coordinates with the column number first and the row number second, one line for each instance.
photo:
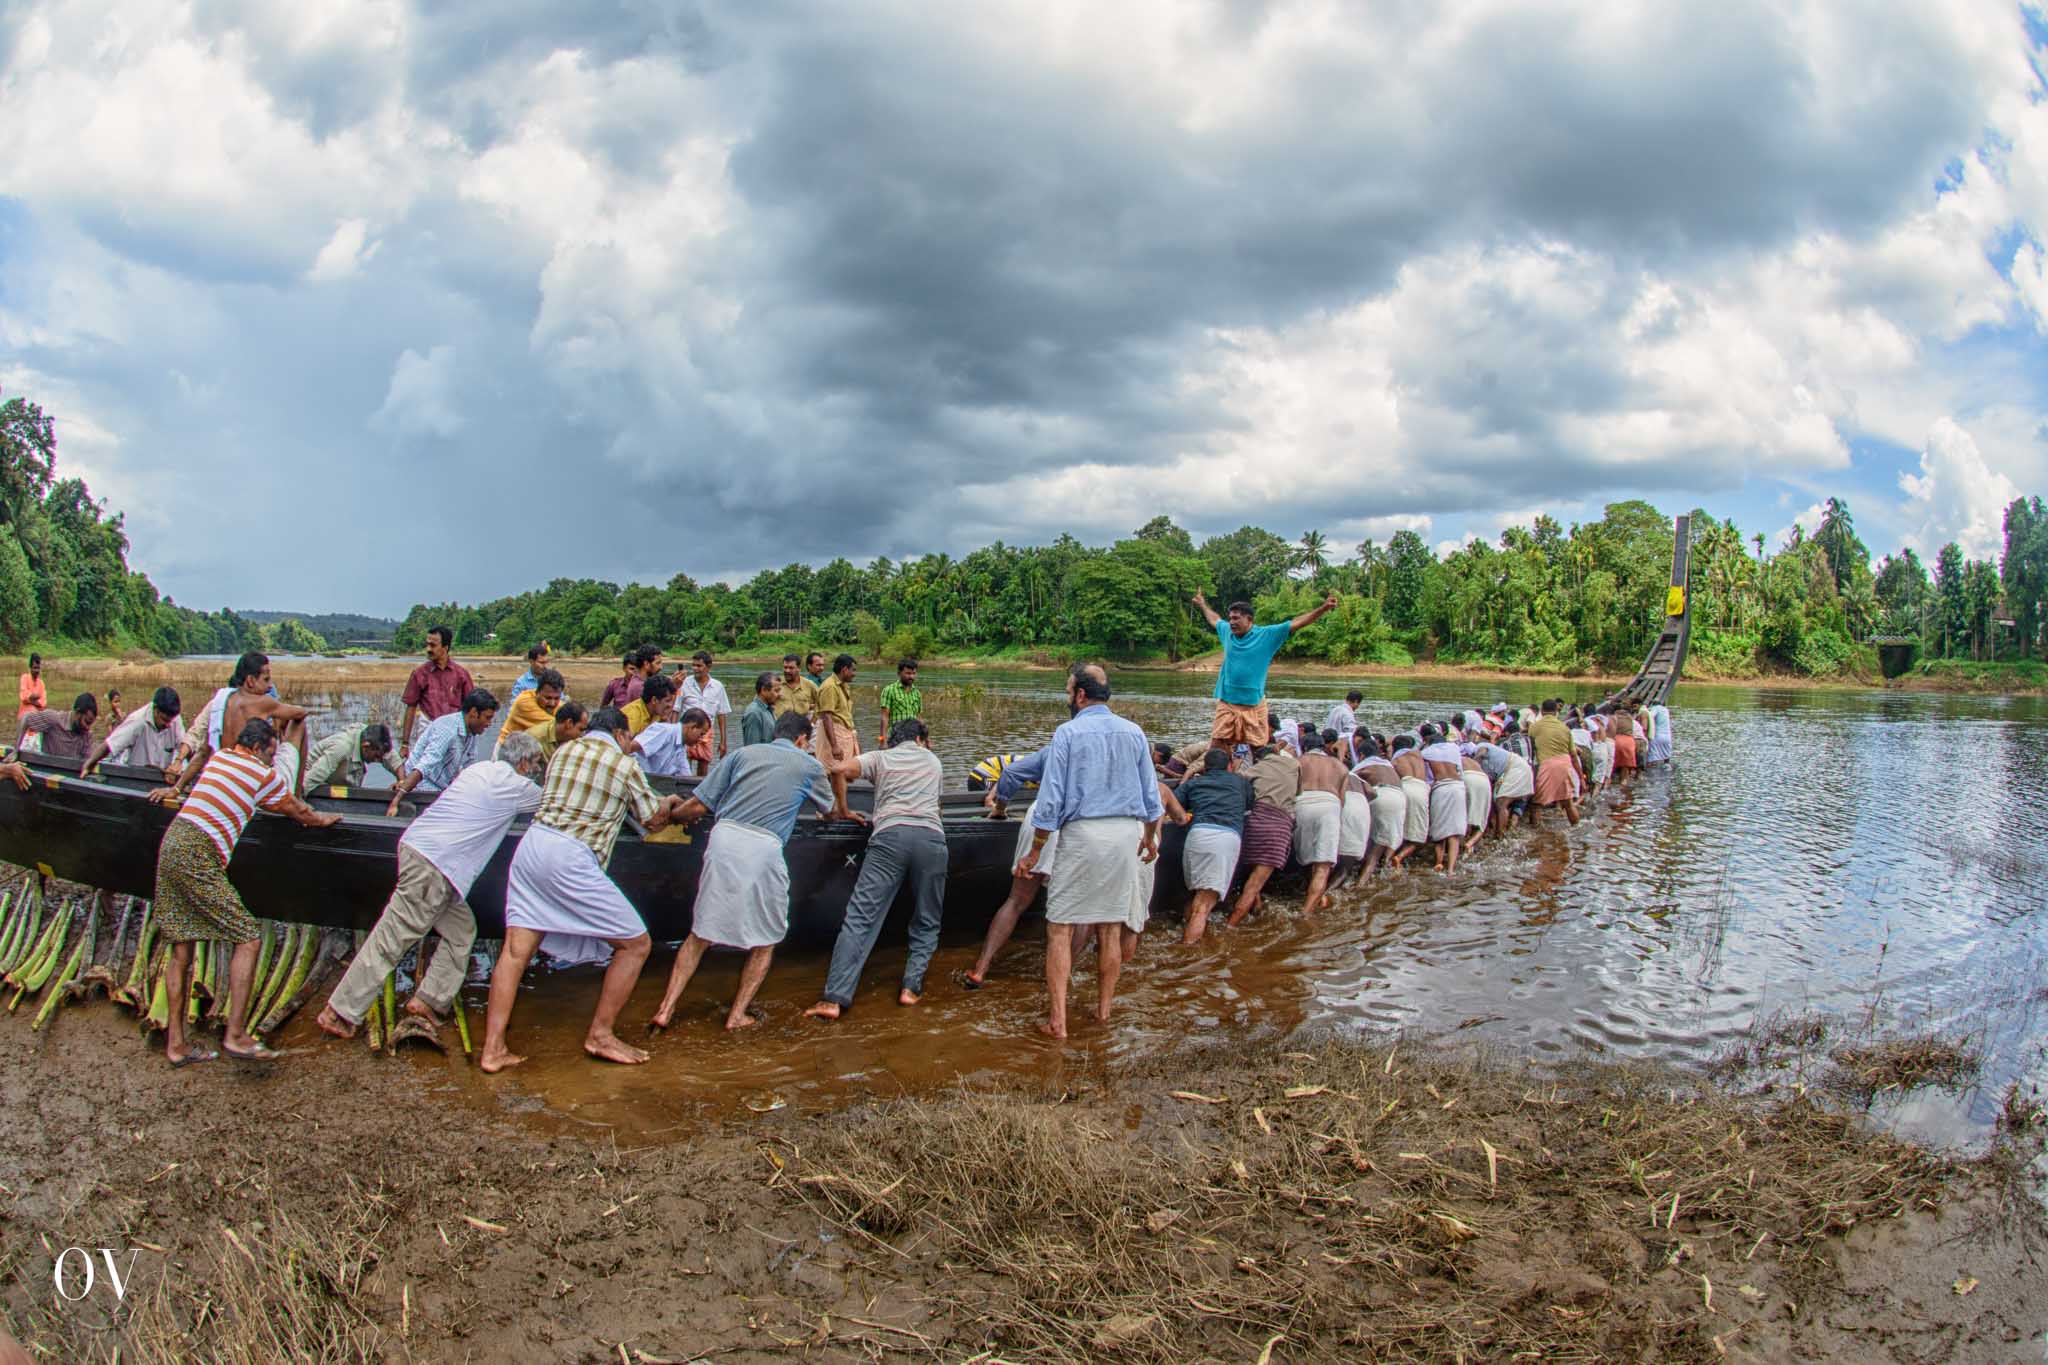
column 1872, row 856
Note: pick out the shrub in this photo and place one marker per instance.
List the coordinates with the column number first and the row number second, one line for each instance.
column 1822, row 653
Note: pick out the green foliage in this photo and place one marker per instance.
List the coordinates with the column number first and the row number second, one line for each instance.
column 1722, row 654
column 17, row 593
column 290, row 637
column 867, row 631
column 905, row 642
column 1822, row 653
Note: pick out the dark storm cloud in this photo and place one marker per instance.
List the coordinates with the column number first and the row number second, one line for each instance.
column 948, row 262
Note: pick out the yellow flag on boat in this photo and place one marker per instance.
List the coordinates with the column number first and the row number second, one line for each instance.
column 1674, row 602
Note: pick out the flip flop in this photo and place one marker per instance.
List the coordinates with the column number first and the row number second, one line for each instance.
column 259, row 1053
column 193, row 1057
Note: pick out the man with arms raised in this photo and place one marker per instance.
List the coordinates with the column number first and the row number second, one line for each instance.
column 1248, row 652
column 1100, row 795
column 194, row 899
column 558, row 884
column 436, row 688
column 439, row 857
column 908, row 844
column 743, row 892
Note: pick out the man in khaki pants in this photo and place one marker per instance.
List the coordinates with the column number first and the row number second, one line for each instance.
column 443, row 851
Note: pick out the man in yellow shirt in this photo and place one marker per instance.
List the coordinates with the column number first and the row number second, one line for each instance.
column 836, row 740
column 657, row 701
column 569, row 722
column 799, row 694
column 531, row 707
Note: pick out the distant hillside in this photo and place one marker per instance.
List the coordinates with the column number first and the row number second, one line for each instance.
column 336, row 628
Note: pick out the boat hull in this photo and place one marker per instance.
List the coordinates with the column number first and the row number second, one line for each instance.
column 103, row 832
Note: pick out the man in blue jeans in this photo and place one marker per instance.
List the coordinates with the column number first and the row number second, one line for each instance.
column 908, row 841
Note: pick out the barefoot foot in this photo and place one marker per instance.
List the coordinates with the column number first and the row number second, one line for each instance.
column 491, row 1063
column 330, row 1022
column 1052, row 1030
column 734, row 1022
column 907, row 997
column 824, row 1009
column 606, row 1047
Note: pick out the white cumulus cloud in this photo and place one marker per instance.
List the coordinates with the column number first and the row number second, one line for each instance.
column 1956, row 496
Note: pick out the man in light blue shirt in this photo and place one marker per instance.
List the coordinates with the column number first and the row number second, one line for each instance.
column 1100, row 793
column 1248, row 652
column 742, row 901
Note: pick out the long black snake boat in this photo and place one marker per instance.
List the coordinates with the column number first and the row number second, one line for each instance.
column 101, row 831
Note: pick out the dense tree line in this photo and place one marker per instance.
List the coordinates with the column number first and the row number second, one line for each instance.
column 1541, row 597
column 64, row 572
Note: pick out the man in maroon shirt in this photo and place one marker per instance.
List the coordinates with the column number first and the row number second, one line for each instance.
column 436, row 687
column 64, row 734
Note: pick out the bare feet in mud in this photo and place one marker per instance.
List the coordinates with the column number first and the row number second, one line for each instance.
column 907, row 998
column 1052, row 1030
column 332, row 1023
column 661, row 1020
column 606, row 1047
column 824, row 1009
column 420, row 1009
column 491, row 1063
column 734, row 1022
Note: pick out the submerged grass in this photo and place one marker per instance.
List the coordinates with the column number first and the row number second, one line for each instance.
column 1365, row 1202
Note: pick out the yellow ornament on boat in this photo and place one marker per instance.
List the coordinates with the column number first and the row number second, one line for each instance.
column 1674, row 602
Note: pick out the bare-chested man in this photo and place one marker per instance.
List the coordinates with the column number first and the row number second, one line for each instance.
column 1389, row 802
column 246, row 698
column 1318, row 817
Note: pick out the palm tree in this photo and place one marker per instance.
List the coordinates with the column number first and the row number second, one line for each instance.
column 1313, row 554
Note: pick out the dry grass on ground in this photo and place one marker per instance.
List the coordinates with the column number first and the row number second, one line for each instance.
column 1372, row 1204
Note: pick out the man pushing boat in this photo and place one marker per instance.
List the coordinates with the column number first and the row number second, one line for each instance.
column 558, row 884
column 194, row 899
column 439, row 858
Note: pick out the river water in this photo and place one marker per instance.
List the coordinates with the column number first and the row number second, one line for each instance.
column 1869, row 856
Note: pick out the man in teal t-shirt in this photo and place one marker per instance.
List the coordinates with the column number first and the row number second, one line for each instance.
column 1248, row 652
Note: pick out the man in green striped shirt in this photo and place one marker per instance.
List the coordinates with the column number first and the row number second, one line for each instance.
column 901, row 701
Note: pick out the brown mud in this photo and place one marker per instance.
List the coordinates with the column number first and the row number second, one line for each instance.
column 1368, row 1199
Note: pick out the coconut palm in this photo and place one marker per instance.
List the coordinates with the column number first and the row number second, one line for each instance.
column 1313, row 554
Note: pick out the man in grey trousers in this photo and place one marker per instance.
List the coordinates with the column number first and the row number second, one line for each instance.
column 908, row 841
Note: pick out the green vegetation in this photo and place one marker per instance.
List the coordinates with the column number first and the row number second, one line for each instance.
column 65, row 584
column 1543, row 598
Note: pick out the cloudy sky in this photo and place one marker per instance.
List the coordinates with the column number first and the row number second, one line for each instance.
column 354, row 304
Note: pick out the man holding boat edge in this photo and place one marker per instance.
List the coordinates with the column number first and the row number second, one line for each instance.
column 558, row 883
column 194, row 899
column 440, row 856
column 1248, row 650
column 743, row 892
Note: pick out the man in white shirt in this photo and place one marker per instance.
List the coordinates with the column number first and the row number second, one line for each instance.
column 1343, row 718
column 707, row 694
column 147, row 737
column 443, row 851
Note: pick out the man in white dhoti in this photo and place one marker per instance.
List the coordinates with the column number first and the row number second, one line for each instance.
column 1414, row 773
column 743, row 892
column 1478, row 802
column 558, row 885
column 1447, row 797
column 1389, row 804
column 1318, row 818
column 1100, row 795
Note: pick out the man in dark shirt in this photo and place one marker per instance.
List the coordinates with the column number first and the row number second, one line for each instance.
column 64, row 734
column 436, row 688
column 1218, row 800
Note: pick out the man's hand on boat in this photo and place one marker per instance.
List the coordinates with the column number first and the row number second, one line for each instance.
column 16, row 773
column 997, row 810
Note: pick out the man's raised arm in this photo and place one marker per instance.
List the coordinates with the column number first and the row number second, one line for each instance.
column 1314, row 614
column 1208, row 611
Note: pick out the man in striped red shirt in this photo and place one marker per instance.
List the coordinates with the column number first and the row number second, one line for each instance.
column 194, row 899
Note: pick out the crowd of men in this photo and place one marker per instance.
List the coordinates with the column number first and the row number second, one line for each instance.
column 1256, row 795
